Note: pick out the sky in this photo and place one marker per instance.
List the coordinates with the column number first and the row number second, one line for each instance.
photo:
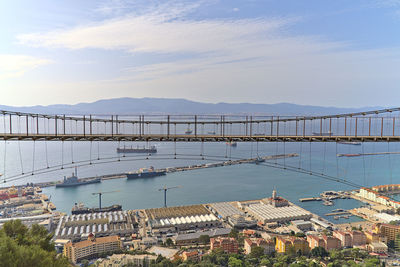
column 328, row 53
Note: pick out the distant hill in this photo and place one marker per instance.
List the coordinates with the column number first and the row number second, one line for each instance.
column 182, row 106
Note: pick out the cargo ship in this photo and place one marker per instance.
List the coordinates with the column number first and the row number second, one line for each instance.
column 74, row 181
column 145, row 173
column 81, row 209
column 151, row 149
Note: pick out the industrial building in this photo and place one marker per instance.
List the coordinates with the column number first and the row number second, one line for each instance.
column 302, row 225
column 241, row 222
column 225, row 209
column 229, row 212
column 193, row 238
column 164, row 220
column 387, row 218
column 267, row 213
column 78, row 227
column 275, row 209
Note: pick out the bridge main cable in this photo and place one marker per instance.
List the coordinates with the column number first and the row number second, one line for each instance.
column 97, row 117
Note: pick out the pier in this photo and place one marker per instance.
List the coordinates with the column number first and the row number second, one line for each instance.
column 310, row 199
column 338, row 213
column 368, row 154
column 186, row 168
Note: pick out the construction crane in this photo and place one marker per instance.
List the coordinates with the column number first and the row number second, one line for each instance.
column 101, row 193
column 48, row 203
column 165, row 189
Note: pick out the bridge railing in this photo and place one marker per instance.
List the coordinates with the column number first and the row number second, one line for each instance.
column 367, row 126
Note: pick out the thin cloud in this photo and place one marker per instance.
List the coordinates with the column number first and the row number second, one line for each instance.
column 160, row 34
column 12, row 66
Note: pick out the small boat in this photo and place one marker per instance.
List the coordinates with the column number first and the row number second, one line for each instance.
column 349, row 143
column 328, row 203
column 188, row 131
column 232, row 144
column 258, row 160
column 336, row 217
column 338, row 210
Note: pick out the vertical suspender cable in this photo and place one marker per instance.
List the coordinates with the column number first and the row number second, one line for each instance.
column 45, row 144
column 98, row 150
column 365, row 177
column 5, row 157
column 390, row 163
column 33, row 157
column 19, row 147
column 62, row 154
column 301, row 152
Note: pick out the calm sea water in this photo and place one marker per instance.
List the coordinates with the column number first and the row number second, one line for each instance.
column 238, row 182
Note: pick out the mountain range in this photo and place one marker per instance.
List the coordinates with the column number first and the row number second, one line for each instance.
column 133, row 106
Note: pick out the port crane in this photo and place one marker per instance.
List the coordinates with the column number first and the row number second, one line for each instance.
column 101, row 193
column 165, row 189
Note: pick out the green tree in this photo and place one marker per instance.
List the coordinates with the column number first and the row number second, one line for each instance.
column 355, row 253
column 266, row 262
column 234, row 233
column 319, row 252
column 397, row 242
column 256, row 252
column 234, row 262
column 169, row 242
column 20, row 246
column 313, row 264
column 85, row 263
column 336, row 254
column 372, row 262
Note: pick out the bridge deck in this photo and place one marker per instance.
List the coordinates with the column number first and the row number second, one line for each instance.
column 195, row 138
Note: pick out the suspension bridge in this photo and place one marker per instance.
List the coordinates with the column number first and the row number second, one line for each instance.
column 370, row 126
